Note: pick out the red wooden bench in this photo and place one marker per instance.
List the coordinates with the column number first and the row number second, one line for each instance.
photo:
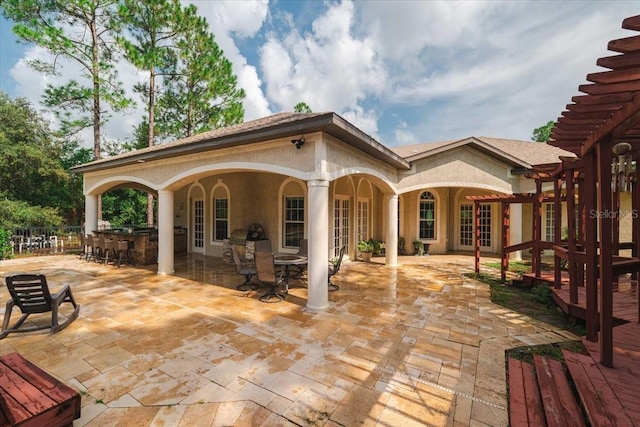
column 598, row 399
column 31, row 397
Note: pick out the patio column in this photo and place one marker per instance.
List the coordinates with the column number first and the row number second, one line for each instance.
column 391, row 251
column 165, row 232
column 90, row 213
column 515, row 229
column 318, row 221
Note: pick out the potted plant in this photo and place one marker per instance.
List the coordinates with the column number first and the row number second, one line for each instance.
column 418, row 248
column 401, row 250
column 366, row 247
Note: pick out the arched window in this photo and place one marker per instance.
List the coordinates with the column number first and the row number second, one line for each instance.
column 220, row 218
column 427, row 213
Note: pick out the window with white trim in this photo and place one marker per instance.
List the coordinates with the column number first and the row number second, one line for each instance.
column 220, row 219
column 427, row 214
column 363, row 220
column 293, row 221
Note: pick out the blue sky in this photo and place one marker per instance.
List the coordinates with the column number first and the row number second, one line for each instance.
column 402, row 71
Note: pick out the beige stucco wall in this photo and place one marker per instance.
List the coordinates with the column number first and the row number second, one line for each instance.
column 461, row 167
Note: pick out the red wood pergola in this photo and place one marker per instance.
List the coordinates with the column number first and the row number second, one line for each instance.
column 592, row 125
column 606, row 118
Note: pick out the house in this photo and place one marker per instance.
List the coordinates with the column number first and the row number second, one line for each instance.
column 317, row 176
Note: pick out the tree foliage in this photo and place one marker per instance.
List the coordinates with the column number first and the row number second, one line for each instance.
column 302, row 107
column 543, row 133
column 80, row 31
column 200, row 93
column 29, row 166
column 34, row 169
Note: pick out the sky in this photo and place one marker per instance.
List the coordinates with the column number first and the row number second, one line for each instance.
column 404, row 72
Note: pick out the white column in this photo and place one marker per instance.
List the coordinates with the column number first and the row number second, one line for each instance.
column 165, row 232
column 318, row 221
column 391, row 251
column 515, row 228
column 90, row 213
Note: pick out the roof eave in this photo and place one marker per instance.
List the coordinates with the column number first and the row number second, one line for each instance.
column 330, row 123
column 479, row 145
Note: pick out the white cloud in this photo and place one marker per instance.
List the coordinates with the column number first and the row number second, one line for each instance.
column 328, row 67
column 241, row 19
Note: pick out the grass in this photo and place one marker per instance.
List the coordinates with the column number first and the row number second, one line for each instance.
column 519, row 267
column 537, row 303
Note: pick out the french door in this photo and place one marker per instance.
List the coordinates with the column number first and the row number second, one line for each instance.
column 197, row 236
column 340, row 224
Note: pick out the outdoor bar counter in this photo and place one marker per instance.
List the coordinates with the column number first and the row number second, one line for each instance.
column 143, row 243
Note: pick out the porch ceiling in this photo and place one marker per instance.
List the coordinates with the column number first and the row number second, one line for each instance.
column 611, row 104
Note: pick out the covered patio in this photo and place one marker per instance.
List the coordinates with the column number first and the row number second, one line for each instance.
column 418, row 344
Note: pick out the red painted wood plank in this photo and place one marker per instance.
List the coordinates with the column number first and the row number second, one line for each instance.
column 560, row 406
column 598, row 399
column 535, row 411
column 517, row 403
column 551, row 402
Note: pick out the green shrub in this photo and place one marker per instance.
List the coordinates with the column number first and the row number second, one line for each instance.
column 19, row 214
column 542, row 294
column 5, row 246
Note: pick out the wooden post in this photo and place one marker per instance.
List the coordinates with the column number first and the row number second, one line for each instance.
column 635, row 229
column 537, row 229
column 591, row 254
column 606, row 218
column 557, row 230
column 571, row 238
column 581, row 233
column 504, row 265
column 476, row 240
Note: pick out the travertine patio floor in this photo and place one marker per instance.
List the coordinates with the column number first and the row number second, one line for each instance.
column 415, row 345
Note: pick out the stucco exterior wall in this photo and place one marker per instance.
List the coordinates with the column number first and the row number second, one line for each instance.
column 276, row 155
column 461, row 167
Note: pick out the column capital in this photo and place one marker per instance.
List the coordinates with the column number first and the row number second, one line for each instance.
column 318, row 183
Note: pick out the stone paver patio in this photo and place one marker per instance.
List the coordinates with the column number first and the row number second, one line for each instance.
column 415, row 345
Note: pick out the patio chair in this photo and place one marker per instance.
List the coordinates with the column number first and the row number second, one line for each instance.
column 263, row 246
column 266, row 272
column 333, row 270
column 30, row 293
column 245, row 268
column 298, row 271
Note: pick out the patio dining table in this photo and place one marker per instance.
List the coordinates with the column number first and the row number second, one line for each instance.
column 288, row 260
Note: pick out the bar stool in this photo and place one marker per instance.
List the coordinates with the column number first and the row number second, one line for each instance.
column 91, row 251
column 110, row 248
column 98, row 248
column 124, row 252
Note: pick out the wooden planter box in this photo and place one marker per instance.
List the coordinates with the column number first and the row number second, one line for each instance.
column 31, row 397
